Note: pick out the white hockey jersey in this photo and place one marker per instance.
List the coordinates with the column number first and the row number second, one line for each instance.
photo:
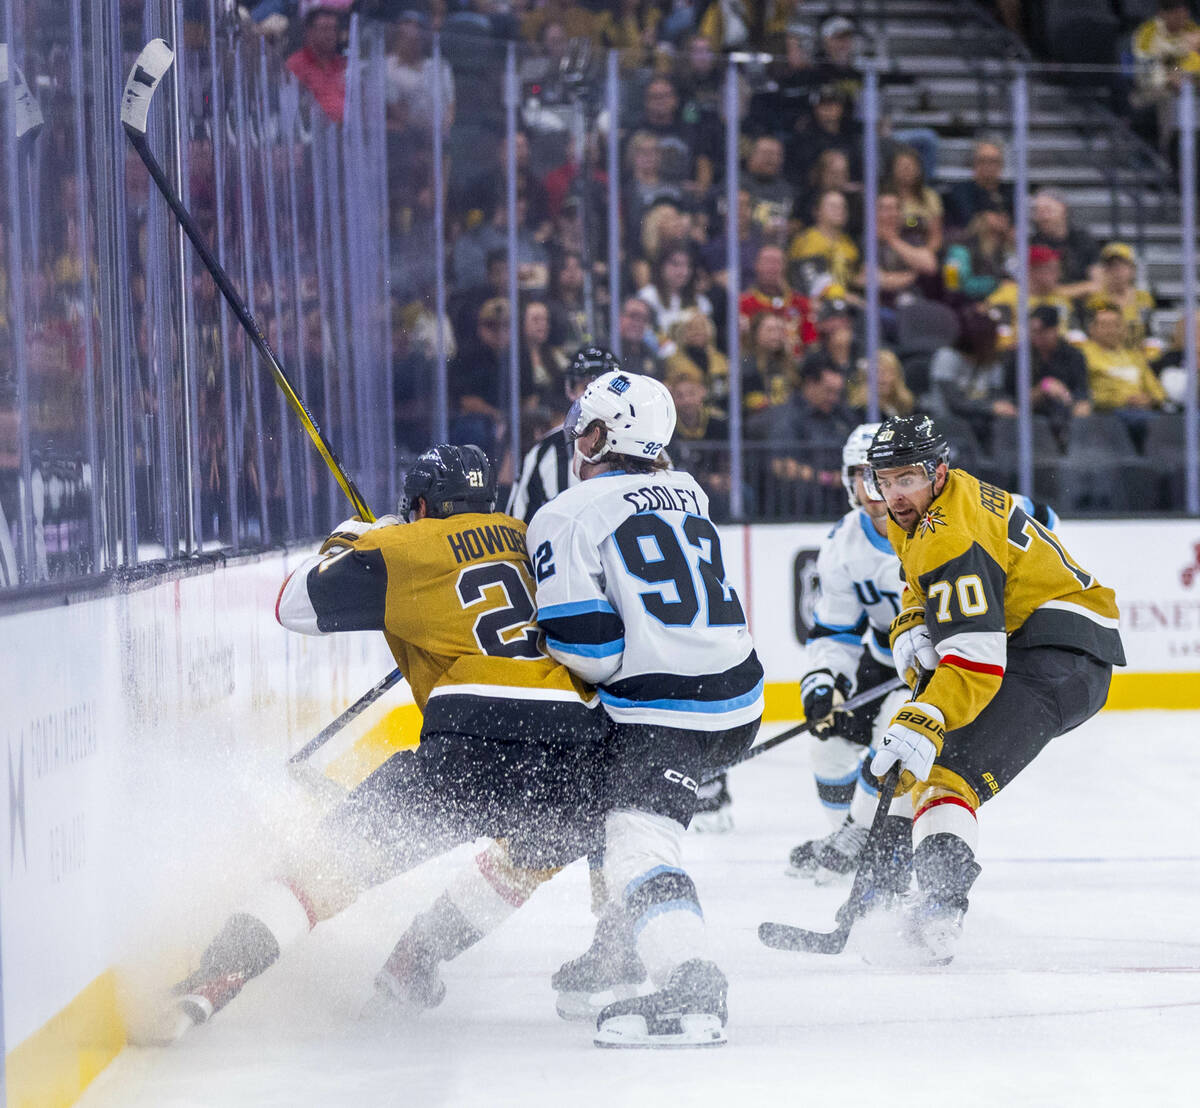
column 632, row 597
column 860, row 584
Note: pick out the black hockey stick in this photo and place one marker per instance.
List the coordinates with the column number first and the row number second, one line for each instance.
column 866, row 697
column 150, row 67
column 783, row 936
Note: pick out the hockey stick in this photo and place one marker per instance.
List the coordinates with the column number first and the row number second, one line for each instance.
column 783, row 936
column 149, row 69
column 866, row 697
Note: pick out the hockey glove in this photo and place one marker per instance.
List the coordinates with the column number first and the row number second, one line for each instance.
column 350, row 529
column 914, row 739
column 912, row 649
column 821, row 694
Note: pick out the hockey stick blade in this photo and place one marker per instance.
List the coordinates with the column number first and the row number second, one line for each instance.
column 150, row 68
column 783, row 936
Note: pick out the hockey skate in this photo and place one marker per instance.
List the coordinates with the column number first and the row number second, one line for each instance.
column 408, row 983
column 689, row 1012
column 243, row 950
column 832, row 859
column 714, row 808
column 609, row 970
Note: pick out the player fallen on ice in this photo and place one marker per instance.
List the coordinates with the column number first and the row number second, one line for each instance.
column 1020, row 639
column 632, row 597
column 509, row 743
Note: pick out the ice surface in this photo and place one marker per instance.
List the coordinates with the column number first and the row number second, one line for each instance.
column 1077, row 981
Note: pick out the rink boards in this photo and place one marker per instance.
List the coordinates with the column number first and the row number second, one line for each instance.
column 141, row 725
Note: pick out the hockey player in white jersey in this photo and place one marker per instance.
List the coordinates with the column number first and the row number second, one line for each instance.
column 632, row 597
column 847, row 652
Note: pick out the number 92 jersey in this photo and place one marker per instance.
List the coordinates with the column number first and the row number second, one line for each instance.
column 860, row 584
column 454, row 599
column 632, row 596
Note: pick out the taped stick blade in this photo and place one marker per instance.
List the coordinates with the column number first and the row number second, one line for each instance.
column 150, row 67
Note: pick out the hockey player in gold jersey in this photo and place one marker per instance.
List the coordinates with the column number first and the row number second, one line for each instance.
column 508, row 746
column 1020, row 641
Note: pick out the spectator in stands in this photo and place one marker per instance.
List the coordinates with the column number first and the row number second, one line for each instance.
column 828, row 127
column 1119, row 376
column 769, row 371
column 824, row 254
column 818, row 420
column 920, row 206
column 673, row 290
column 319, row 64
column 1045, row 269
column 639, row 351
column 772, row 198
column 1118, row 286
column 699, row 444
column 783, row 106
column 578, row 20
column 479, row 380
column 968, row 379
column 977, row 266
column 472, row 247
column 643, row 186
column 685, row 151
column 412, row 82
column 715, row 253
column 1058, row 373
column 664, row 226
column 901, row 263
column 835, row 65
column 1076, row 248
column 743, row 24
column 895, row 397
column 568, row 311
column 695, row 354
column 1172, row 366
column 836, row 347
column 985, row 191
column 832, row 173
column 632, row 30
column 771, row 293
column 542, row 363
column 1167, row 51
column 701, row 81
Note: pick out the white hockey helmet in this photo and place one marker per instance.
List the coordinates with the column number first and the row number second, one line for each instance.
column 637, row 411
column 854, row 456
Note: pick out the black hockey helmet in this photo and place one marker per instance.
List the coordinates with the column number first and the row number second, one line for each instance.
column 589, row 363
column 912, row 440
column 451, row 480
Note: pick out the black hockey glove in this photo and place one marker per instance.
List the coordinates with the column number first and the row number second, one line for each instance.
column 820, row 694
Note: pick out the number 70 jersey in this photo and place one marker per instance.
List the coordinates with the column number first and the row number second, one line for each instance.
column 632, row 596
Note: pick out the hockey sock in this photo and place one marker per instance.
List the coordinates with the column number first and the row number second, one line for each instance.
column 945, row 835
column 484, row 895
column 835, row 764
column 284, row 910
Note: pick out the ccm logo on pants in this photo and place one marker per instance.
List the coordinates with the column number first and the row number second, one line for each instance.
column 677, row 778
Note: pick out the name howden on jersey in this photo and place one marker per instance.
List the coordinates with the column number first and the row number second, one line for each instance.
column 479, row 542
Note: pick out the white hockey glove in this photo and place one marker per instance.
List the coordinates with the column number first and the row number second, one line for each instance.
column 914, row 738
column 350, row 529
column 821, row 694
column 912, row 648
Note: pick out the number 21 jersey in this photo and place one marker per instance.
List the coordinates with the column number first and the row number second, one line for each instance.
column 632, row 596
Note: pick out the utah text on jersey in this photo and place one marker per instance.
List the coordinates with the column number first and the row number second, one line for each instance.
column 454, row 599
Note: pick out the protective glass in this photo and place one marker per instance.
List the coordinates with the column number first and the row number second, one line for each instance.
column 905, row 482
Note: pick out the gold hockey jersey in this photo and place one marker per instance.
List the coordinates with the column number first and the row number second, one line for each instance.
column 988, row 576
column 454, row 599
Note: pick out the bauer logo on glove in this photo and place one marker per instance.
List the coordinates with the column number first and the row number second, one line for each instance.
column 914, row 738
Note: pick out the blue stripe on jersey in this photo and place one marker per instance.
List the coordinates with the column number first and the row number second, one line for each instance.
column 576, row 608
column 708, row 707
column 874, row 537
column 587, row 650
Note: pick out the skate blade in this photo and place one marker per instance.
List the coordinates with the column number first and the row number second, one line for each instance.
column 629, row 1032
column 579, row 1007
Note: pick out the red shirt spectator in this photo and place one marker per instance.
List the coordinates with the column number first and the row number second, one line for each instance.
column 771, row 293
column 318, row 66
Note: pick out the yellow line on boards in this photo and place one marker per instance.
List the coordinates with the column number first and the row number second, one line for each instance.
column 52, row 1067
